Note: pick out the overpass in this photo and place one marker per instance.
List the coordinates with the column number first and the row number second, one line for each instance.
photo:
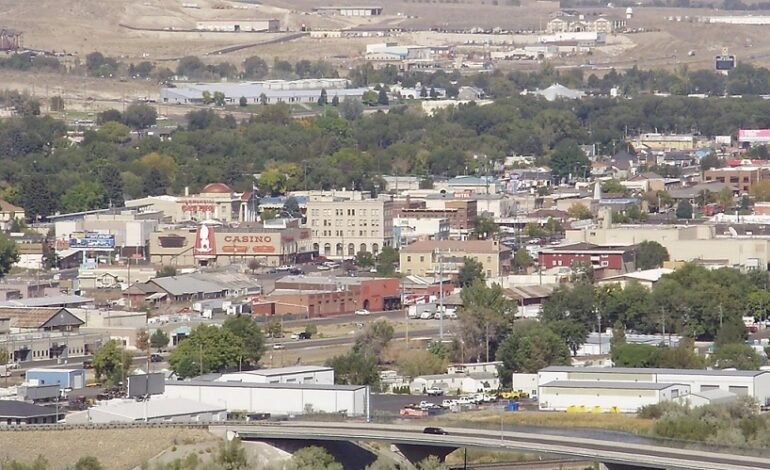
column 416, row 445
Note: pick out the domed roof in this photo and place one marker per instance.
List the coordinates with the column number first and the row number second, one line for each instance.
column 217, row 188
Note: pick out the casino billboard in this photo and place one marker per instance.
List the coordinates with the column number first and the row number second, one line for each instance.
column 207, row 244
column 93, row 241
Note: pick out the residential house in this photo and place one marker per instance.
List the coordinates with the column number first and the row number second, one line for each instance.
column 9, row 213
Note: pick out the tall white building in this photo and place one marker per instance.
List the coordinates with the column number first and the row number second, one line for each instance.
column 342, row 223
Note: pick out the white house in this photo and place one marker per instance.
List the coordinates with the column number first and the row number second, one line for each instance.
column 452, row 383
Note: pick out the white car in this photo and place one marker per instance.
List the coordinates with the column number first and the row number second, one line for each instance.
column 323, row 267
column 434, row 392
column 277, row 346
column 363, row 311
column 284, row 267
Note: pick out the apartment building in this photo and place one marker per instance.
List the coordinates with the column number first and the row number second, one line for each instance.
column 431, row 257
column 741, row 177
column 342, row 223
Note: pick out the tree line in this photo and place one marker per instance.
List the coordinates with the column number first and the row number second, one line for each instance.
column 333, row 150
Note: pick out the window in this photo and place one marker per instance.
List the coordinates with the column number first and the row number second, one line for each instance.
column 362, row 212
column 327, row 212
column 422, row 259
column 314, row 212
column 314, row 223
column 741, row 391
column 409, row 259
column 375, row 212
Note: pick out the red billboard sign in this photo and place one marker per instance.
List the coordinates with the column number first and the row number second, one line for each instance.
column 205, row 243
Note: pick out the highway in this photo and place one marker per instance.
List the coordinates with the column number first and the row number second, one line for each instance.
column 591, row 449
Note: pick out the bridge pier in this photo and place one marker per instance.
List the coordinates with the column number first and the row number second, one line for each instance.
column 416, row 453
column 349, row 454
column 624, row 466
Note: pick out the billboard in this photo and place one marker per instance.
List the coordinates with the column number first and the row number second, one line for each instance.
column 93, row 241
column 725, row 62
column 205, row 243
column 751, row 136
column 142, row 385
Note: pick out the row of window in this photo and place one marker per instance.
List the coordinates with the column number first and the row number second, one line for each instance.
column 341, row 223
column 341, row 212
column 343, row 233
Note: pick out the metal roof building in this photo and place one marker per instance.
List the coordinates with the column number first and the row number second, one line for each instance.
column 156, row 409
column 267, row 92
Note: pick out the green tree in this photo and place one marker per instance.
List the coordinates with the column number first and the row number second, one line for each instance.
column 370, row 98
column 244, row 327
column 57, row 104
column 650, row 254
column 530, row 347
column 243, row 102
column 387, row 261
column 373, row 340
column 522, row 259
column 38, row 199
column 416, row 363
column 732, row 331
column 354, row 368
column 485, row 228
column 382, row 97
column 684, row 210
column 255, row 68
column 159, row 339
column 154, row 183
column 323, row 99
column 112, row 363
column 364, row 259
column 351, row 108
column 684, row 356
column 113, row 185
column 9, row 254
column 207, row 349
column 83, row 196
column 570, row 313
column 167, row 271
column 312, row 458
column 737, row 355
column 726, row 198
column 613, row 187
column 140, row 116
column 470, row 271
column 485, row 319
column 579, row 211
column 274, row 181
column 760, row 191
column 206, row 97
column 636, row 355
column 568, row 160
column 534, row 230
column 219, row 98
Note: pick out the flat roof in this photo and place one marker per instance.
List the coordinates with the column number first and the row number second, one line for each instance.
column 206, row 383
column 609, row 384
column 20, row 409
column 40, row 369
column 654, row 370
column 284, row 370
column 156, row 407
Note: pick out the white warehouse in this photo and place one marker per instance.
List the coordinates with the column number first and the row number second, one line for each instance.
column 604, row 396
column 751, row 383
column 276, row 399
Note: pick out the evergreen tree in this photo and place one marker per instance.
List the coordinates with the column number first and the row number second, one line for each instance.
column 113, row 185
column 322, row 100
column 154, row 183
column 382, row 98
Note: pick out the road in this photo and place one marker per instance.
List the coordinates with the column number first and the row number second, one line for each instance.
column 618, row 452
column 349, row 339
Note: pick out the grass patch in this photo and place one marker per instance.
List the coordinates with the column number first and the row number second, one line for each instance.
column 477, row 456
column 617, row 422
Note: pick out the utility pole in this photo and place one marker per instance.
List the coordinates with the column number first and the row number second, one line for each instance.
column 599, row 328
column 441, row 299
column 406, row 313
column 663, row 315
column 200, row 357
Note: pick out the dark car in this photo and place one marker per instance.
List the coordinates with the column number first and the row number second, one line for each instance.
column 296, row 271
column 304, row 335
column 432, row 430
column 156, row 358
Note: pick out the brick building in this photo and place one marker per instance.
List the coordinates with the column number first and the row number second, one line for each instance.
column 741, row 177
column 319, row 296
column 461, row 213
column 620, row 259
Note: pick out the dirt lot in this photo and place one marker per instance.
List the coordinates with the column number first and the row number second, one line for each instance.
column 115, row 448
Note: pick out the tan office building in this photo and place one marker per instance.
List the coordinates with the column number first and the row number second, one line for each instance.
column 431, row 257
column 342, row 223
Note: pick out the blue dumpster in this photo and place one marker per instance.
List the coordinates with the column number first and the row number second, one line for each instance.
column 512, row 406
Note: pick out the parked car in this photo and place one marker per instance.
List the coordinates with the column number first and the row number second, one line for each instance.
column 296, row 271
column 434, row 392
column 304, row 335
column 279, row 346
column 434, row 430
column 363, row 311
column 156, row 358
